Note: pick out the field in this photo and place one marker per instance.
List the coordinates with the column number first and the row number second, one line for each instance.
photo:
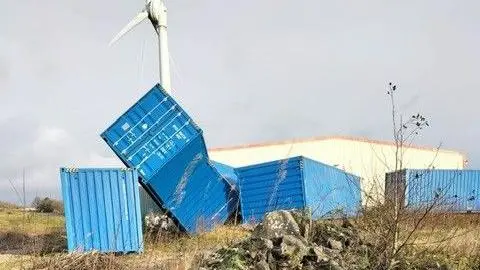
column 38, row 241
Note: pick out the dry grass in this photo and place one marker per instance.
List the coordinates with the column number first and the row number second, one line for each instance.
column 7, row 205
column 162, row 252
column 31, row 223
column 30, row 233
column 181, row 252
column 78, row 261
column 453, row 238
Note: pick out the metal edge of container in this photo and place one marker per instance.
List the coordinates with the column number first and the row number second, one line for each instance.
column 232, row 189
column 302, row 176
column 356, row 177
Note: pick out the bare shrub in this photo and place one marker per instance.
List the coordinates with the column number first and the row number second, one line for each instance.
column 48, row 205
column 392, row 227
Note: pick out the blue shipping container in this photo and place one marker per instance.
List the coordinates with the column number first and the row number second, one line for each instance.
column 297, row 183
column 148, row 205
column 227, row 171
column 159, row 139
column 102, row 210
column 440, row 190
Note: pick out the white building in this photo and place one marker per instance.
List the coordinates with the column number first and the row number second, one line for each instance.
column 369, row 159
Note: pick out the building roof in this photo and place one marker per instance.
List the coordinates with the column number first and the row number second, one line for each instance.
column 326, row 138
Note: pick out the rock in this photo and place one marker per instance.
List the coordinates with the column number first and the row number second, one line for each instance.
column 319, row 254
column 279, row 252
column 283, row 265
column 330, row 265
column 257, row 248
column 261, row 243
column 334, row 244
column 270, row 258
column 277, row 224
column 304, row 221
column 261, row 256
column 334, row 266
column 294, row 246
column 156, row 222
column 287, row 240
column 262, row 265
column 289, row 248
column 308, row 266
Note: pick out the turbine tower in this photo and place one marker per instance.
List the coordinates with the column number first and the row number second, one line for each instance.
column 156, row 12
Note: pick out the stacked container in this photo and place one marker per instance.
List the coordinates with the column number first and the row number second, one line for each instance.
column 158, row 138
column 297, row 183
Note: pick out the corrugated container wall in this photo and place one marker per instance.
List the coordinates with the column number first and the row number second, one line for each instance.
column 147, row 204
column 297, row 183
column 226, row 171
column 159, row 139
column 441, row 190
column 102, row 210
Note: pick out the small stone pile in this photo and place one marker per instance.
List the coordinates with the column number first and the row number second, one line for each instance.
column 157, row 222
column 290, row 240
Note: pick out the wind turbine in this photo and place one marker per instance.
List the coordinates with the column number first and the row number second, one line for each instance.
column 156, row 12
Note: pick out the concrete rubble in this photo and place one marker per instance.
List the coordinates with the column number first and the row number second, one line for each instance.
column 289, row 240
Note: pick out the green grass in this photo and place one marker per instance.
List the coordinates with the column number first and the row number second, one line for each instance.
column 31, row 223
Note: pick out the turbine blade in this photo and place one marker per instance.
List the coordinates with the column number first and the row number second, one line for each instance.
column 138, row 19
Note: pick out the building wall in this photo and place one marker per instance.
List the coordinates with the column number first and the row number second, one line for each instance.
column 368, row 159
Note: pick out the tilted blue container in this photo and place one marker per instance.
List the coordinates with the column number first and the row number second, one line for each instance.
column 102, row 210
column 158, row 138
column 148, row 205
column 438, row 190
column 297, row 183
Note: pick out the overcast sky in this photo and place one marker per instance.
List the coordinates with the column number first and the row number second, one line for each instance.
column 247, row 71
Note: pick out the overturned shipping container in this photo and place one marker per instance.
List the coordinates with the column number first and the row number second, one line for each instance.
column 159, row 139
column 297, row 183
column 148, row 205
column 434, row 190
column 102, row 210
